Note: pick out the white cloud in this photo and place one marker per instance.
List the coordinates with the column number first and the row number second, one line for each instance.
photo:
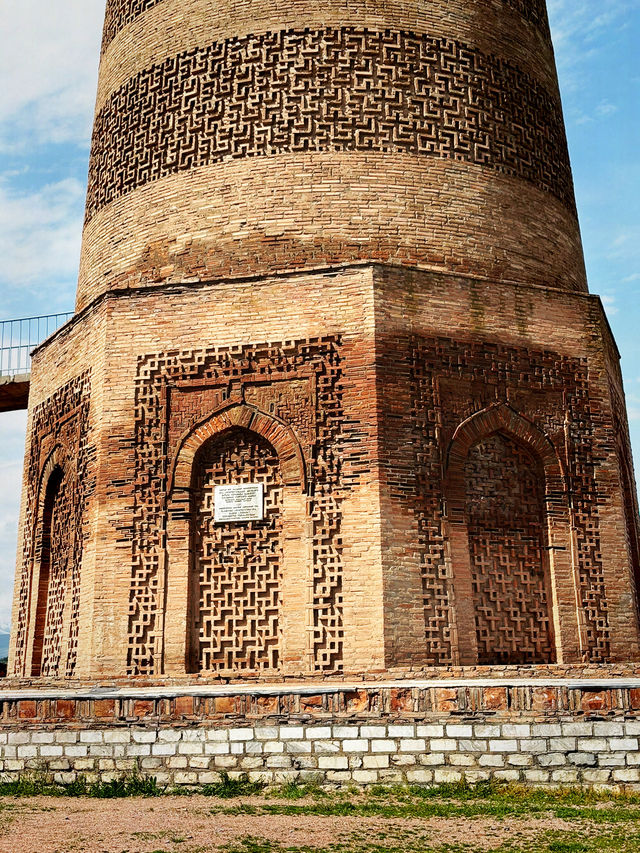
column 582, row 29
column 625, row 245
column 48, row 70
column 605, row 108
column 609, row 302
column 40, row 234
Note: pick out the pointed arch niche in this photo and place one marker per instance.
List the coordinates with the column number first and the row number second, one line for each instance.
column 510, row 544
column 50, row 599
column 268, row 564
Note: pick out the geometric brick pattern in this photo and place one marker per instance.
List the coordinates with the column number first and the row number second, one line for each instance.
column 429, row 426
column 237, row 566
column 263, row 374
column 54, row 575
column 452, row 380
column 119, row 13
column 333, row 90
column 426, row 461
column 622, row 443
column 505, row 521
column 54, row 527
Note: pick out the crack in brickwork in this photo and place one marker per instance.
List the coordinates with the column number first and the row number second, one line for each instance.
column 453, row 380
column 61, row 422
column 120, row 13
column 506, row 517
column 264, row 371
column 237, row 566
column 328, row 90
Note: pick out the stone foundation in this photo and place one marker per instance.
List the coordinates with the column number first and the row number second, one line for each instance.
column 421, row 732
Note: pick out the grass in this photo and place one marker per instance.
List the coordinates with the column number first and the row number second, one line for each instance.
column 228, row 787
column 398, row 842
column 593, row 821
column 127, row 785
column 460, row 800
column 492, row 799
column 36, row 785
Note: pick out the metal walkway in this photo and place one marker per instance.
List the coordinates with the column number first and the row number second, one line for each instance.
column 17, row 340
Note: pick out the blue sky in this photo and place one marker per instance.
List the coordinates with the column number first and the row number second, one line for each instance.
column 48, row 72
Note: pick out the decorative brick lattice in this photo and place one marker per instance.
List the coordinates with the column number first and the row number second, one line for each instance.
column 237, row 565
column 290, row 403
column 119, row 13
column 57, row 558
column 262, row 373
column 60, row 423
column 436, row 577
column 122, row 12
column 327, row 90
column 453, row 380
column 505, row 521
column 625, row 463
column 330, row 456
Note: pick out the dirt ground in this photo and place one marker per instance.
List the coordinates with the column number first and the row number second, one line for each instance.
column 196, row 825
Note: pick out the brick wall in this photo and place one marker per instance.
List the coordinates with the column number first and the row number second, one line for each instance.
column 418, row 732
column 419, row 134
column 372, row 407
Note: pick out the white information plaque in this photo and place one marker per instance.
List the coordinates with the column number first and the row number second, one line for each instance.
column 244, row 502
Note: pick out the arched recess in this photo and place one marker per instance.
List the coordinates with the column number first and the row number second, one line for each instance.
column 49, row 578
column 630, row 504
column 238, row 432
column 499, row 442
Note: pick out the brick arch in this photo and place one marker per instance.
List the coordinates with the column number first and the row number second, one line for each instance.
column 502, row 419
column 54, row 460
column 275, row 431
column 49, row 489
column 499, row 418
column 234, row 617
column 297, row 570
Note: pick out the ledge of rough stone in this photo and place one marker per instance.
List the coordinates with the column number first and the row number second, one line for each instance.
column 516, row 698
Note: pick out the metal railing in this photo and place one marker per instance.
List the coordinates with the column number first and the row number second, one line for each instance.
column 19, row 337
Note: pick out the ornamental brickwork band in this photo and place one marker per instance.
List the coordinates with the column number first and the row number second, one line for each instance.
column 328, row 91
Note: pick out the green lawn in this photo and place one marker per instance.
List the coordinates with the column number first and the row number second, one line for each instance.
column 494, row 817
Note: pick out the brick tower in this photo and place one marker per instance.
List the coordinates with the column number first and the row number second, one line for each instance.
column 331, row 259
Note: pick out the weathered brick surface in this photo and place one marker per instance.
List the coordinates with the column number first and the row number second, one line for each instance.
column 212, row 222
column 332, row 743
column 503, row 119
column 336, row 133
column 332, row 249
column 364, row 407
column 120, row 13
column 180, row 24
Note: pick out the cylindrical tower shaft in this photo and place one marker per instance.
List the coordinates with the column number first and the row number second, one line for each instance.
column 238, row 138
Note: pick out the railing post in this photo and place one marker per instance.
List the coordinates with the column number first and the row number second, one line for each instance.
column 20, row 336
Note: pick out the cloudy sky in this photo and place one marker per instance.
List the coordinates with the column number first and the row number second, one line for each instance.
column 48, row 70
